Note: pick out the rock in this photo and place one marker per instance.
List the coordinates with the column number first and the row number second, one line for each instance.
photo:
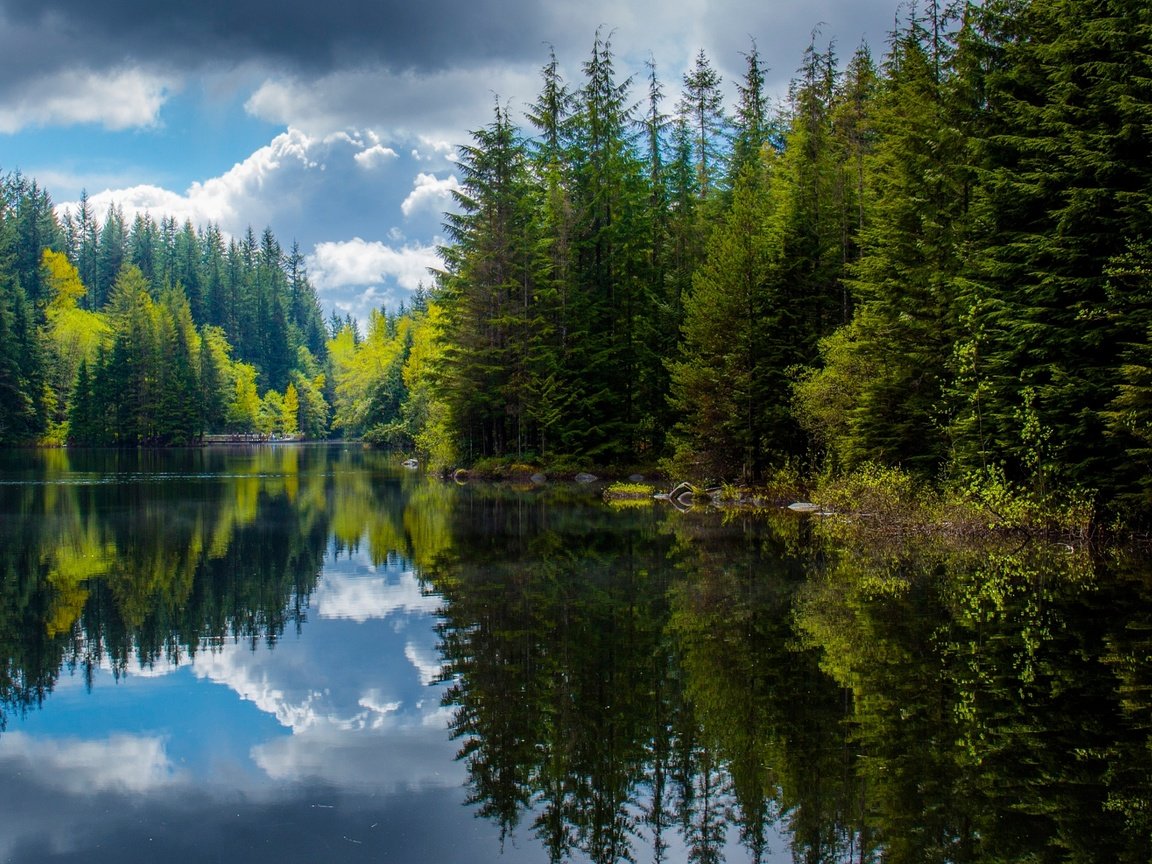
column 583, row 477
column 410, row 463
column 636, row 478
column 539, row 479
column 806, row 507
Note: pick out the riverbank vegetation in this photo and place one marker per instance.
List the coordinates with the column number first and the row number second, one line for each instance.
column 935, row 260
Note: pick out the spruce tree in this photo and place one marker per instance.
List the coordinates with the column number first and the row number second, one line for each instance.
column 487, row 290
column 1064, row 195
column 609, row 193
column 702, row 107
column 905, row 281
column 110, row 256
column 730, row 387
column 752, row 124
column 83, row 409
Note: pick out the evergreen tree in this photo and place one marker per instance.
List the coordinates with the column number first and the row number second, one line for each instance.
column 702, row 107
column 82, row 243
column 19, row 409
column 143, row 241
column 729, row 386
column 687, row 231
column 22, row 414
column 110, row 256
column 605, row 357
column 1064, row 194
column 33, row 229
column 911, row 244
column 211, row 401
column 216, row 283
column 304, row 313
column 83, row 412
column 488, row 293
column 133, row 363
column 554, row 273
column 186, row 270
column 752, row 122
column 813, row 233
column 659, row 330
column 1129, row 415
column 179, row 419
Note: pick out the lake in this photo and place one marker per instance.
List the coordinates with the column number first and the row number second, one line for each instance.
column 308, row 653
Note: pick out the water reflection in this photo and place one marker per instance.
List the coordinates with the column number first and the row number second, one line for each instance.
column 303, row 653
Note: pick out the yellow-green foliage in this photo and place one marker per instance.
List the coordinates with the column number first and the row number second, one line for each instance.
column 893, row 501
column 71, row 336
column 1008, row 505
column 875, row 491
column 244, row 408
column 620, row 489
column 358, row 369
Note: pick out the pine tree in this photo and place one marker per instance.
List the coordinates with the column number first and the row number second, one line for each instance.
column 83, row 410
column 133, row 362
column 86, row 244
column 216, row 385
column 304, row 313
column 142, row 250
column 753, row 127
column 19, row 420
column 1129, row 415
column 22, row 415
column 33, row 229
column 179, row 417
column 186, row 270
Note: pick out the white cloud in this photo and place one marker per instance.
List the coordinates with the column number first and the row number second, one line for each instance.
column 360, row 262
column 360, row 598
column 117, row 99
column 233, row 200
column 430, row 193
column 234, row 669
column 375, row 156
column 426, row 660
column 126, row 763
column 404, row 758
column 431, row 149
column 403, row 106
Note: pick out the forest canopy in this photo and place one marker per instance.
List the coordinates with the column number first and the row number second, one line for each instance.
column 935, row 259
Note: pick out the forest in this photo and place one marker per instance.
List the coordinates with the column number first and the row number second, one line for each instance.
column 936, row 259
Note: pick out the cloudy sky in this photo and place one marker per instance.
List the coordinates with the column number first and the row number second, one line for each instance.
column 335, row 124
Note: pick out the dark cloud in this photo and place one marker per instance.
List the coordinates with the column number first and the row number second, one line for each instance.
column 293, row 33
column 305, row 824
column 312, row 38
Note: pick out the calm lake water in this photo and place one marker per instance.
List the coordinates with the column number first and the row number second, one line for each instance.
column 287, row 654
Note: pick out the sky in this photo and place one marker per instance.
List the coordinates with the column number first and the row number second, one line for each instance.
column 334, row 745
column 336, row 124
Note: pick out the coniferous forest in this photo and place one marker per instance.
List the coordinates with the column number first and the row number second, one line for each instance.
column 936, row 257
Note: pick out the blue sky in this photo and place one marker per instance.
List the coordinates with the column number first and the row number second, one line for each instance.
column 332, row 746
column 335, row 124
column 345, row 712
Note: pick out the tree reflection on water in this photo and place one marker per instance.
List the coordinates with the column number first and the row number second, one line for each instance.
column 637, row 684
